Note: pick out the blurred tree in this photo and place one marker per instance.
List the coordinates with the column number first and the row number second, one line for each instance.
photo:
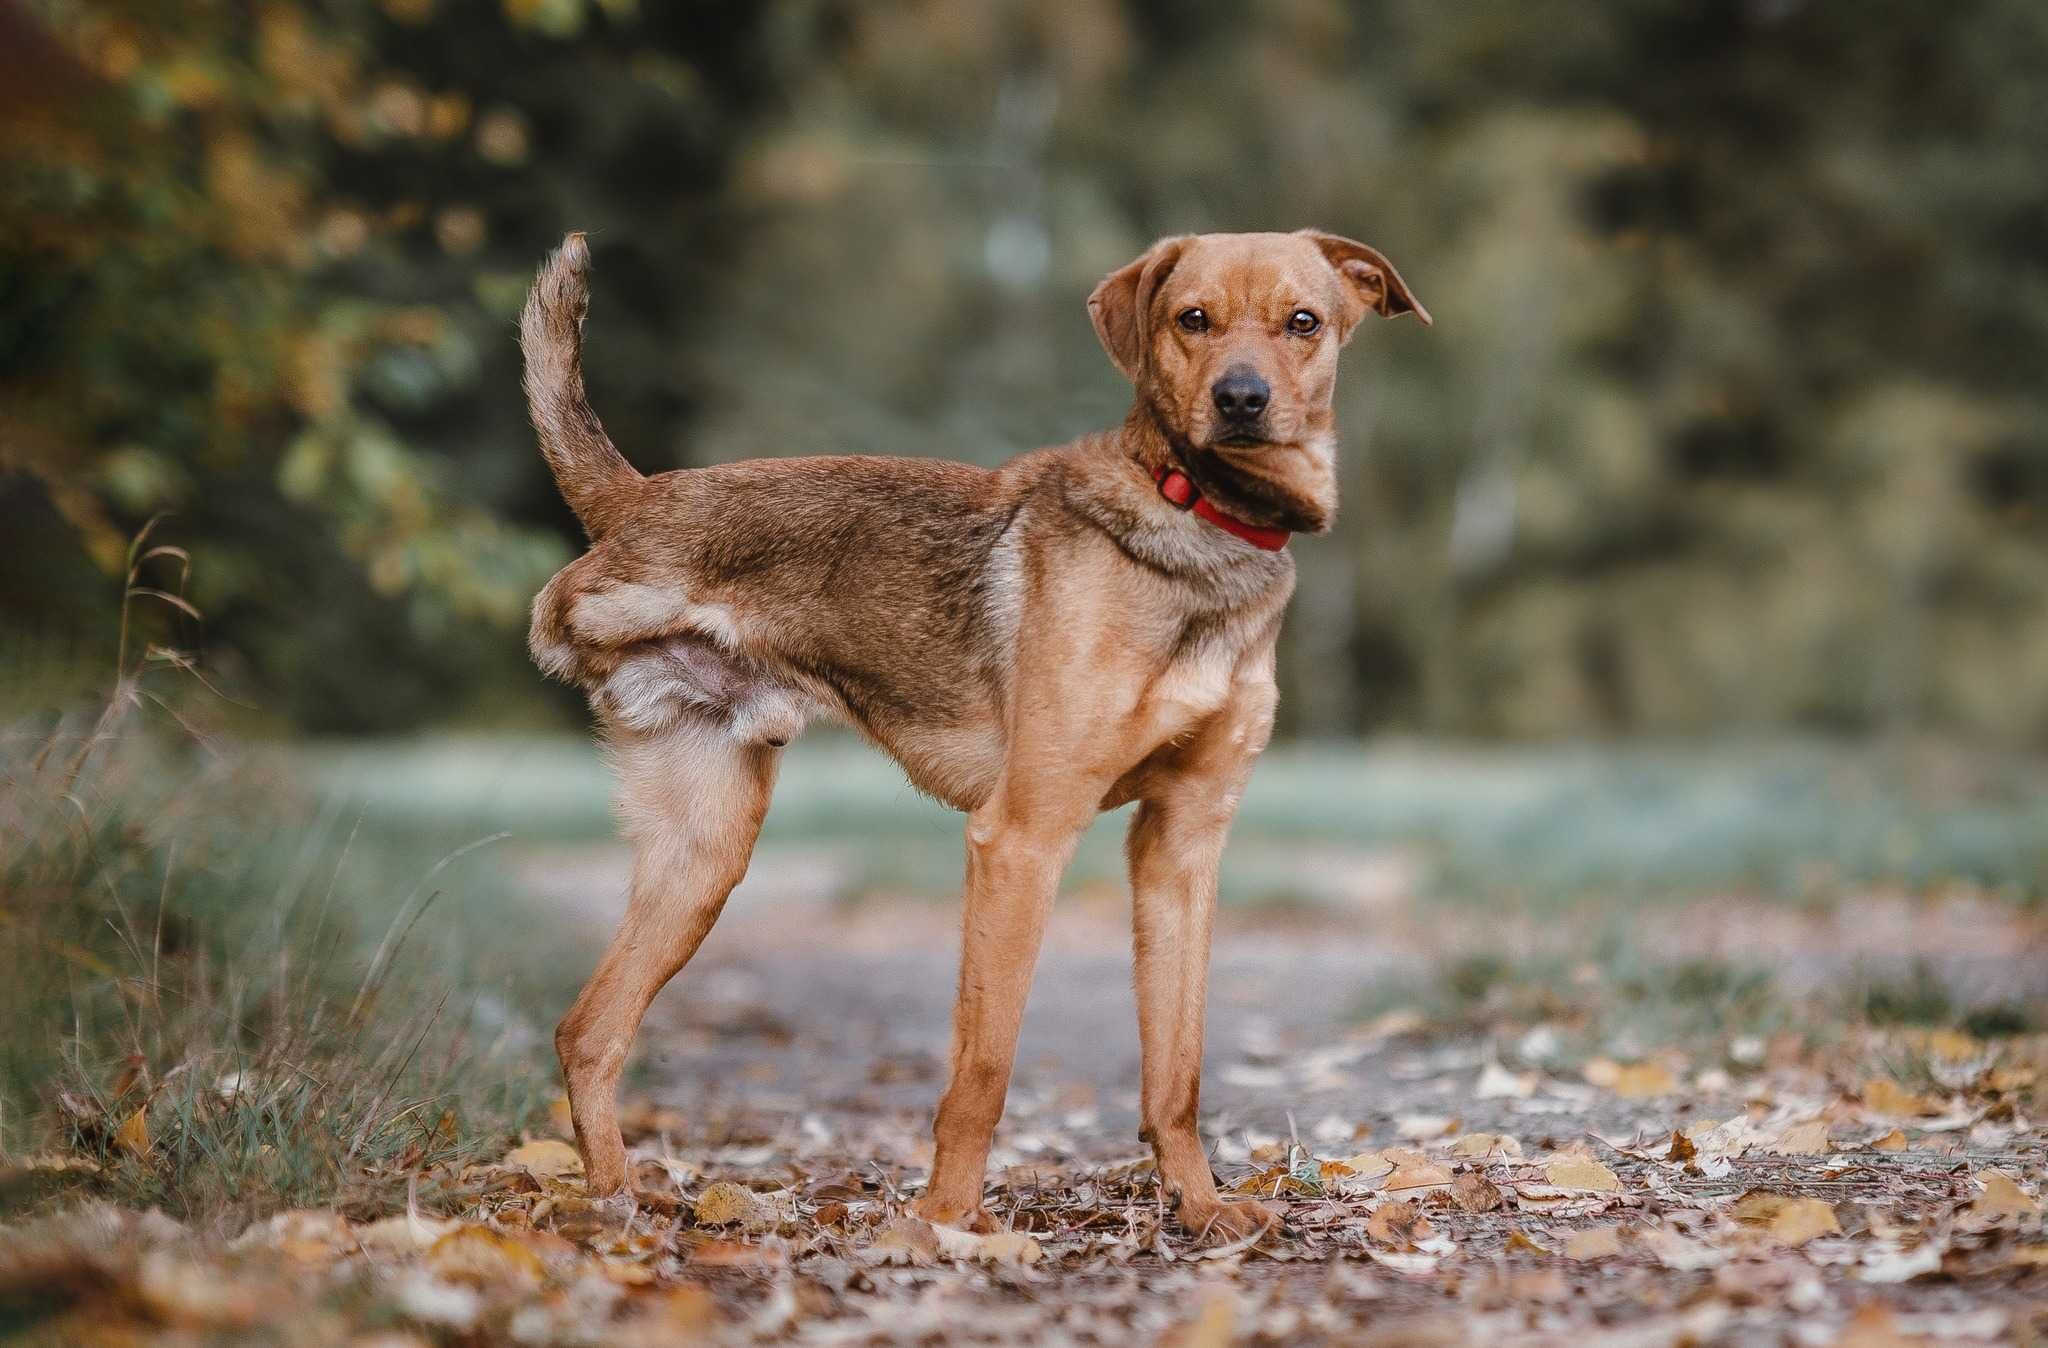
column 263, row 276
column 1732, row 417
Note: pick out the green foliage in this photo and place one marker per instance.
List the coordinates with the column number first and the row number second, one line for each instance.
column 1732, row 415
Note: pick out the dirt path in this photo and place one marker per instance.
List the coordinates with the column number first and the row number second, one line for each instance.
column 803, row 1052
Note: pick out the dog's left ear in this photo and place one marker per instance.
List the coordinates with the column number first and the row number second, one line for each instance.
column 1371, row 285
column 1121, row 305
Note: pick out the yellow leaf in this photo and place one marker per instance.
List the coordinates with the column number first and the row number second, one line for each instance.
column 1892, row 1141
column 1418, row 1174
column 2002, row 1197
column 1214, row 1327
column 1368, row 1164
column 546, row 1158
column 1643, row 1080
column 1802, row 1139
column 1487, row 1146
column 2033, row 1256
column 1888, row 1097
column 481, row 1257
column 1787, row 1219
column 1517, row 1242
column 133, row 1136
column 1595, row 1242
column 1582, row 1173
column 1801, row 1219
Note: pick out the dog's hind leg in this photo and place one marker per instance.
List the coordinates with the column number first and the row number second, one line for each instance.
column 692, row 799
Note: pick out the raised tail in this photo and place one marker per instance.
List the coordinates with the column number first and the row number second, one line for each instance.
column 594, row 477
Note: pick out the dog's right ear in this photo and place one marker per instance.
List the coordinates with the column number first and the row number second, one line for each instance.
column 1122, row 305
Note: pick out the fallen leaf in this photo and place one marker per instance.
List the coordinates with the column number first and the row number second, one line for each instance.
column 1801, row 1139
column 1417, row 1173
column 1594, row 1242
column 1676, row 1251
column 1367, row 1164
column 546, row 1158
column 1873, row 1326
column 1473, row 1192
column 1643, row 1081
column 2030, row 1256
column 1885, row 1096
column 1892, row 1141
column 1786, row 1218
column 1215, row 1326
column 1398, row 1223
column 480, row 1257
column 1004, row 1247
column 1412, row 1262
column 739, row 1254
column 1487, row 1146
column 1582, row 1174
column 133, row 1135
column 403, row 1234
column 680, row 1314
column 1517, row 1242
column 2002, row 1198
column 725, row 1203
column 1682, row 1148
column 1801, row 1219
column 1421, row 1127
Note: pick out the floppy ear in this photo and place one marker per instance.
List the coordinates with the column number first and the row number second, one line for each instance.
column 1371, row 285
column 1122, row 304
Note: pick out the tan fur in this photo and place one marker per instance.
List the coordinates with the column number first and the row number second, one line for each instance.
column 1033, row 644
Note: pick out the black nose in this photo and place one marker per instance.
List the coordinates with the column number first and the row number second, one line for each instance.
column 1240, row 394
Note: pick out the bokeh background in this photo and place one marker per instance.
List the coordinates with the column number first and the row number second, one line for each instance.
column 1734, row 416
column 1679, row 665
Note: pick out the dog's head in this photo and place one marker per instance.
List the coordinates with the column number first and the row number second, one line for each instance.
column 1232, row 342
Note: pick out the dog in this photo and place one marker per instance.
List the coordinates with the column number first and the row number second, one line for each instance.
column 1081, row 628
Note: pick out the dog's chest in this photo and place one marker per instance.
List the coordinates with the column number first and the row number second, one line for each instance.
column 1197, row 680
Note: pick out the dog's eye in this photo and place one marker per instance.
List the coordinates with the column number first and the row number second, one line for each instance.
column 1193, row 320
column 1303, row 323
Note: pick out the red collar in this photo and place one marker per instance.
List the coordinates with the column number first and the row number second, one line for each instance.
column 1183, row 494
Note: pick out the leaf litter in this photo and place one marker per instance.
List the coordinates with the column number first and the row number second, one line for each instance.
column 1447, row 1191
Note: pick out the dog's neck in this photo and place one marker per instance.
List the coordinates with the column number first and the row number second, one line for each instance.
column 1284, row 487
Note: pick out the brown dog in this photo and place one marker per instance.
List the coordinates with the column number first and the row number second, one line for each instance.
column 1083, row 627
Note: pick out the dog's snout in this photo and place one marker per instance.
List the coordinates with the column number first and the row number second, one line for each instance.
column 1241, row 394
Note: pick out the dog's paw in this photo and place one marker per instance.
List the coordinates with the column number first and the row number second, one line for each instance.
column 975, row 1219
column 1227, row 1221
column 618, row 1206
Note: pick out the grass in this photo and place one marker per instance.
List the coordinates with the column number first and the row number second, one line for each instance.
column 225, row 995
column 226, row 1002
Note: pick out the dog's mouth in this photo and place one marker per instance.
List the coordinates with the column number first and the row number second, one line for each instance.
column 1244, row 439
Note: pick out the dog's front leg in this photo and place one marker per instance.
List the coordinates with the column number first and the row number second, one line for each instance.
column 1176, row 848
column 1014, row 861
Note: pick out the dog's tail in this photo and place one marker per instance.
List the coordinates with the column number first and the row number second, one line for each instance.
column 594, row 477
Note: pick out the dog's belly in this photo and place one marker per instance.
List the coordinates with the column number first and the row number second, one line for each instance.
column 957, row 764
